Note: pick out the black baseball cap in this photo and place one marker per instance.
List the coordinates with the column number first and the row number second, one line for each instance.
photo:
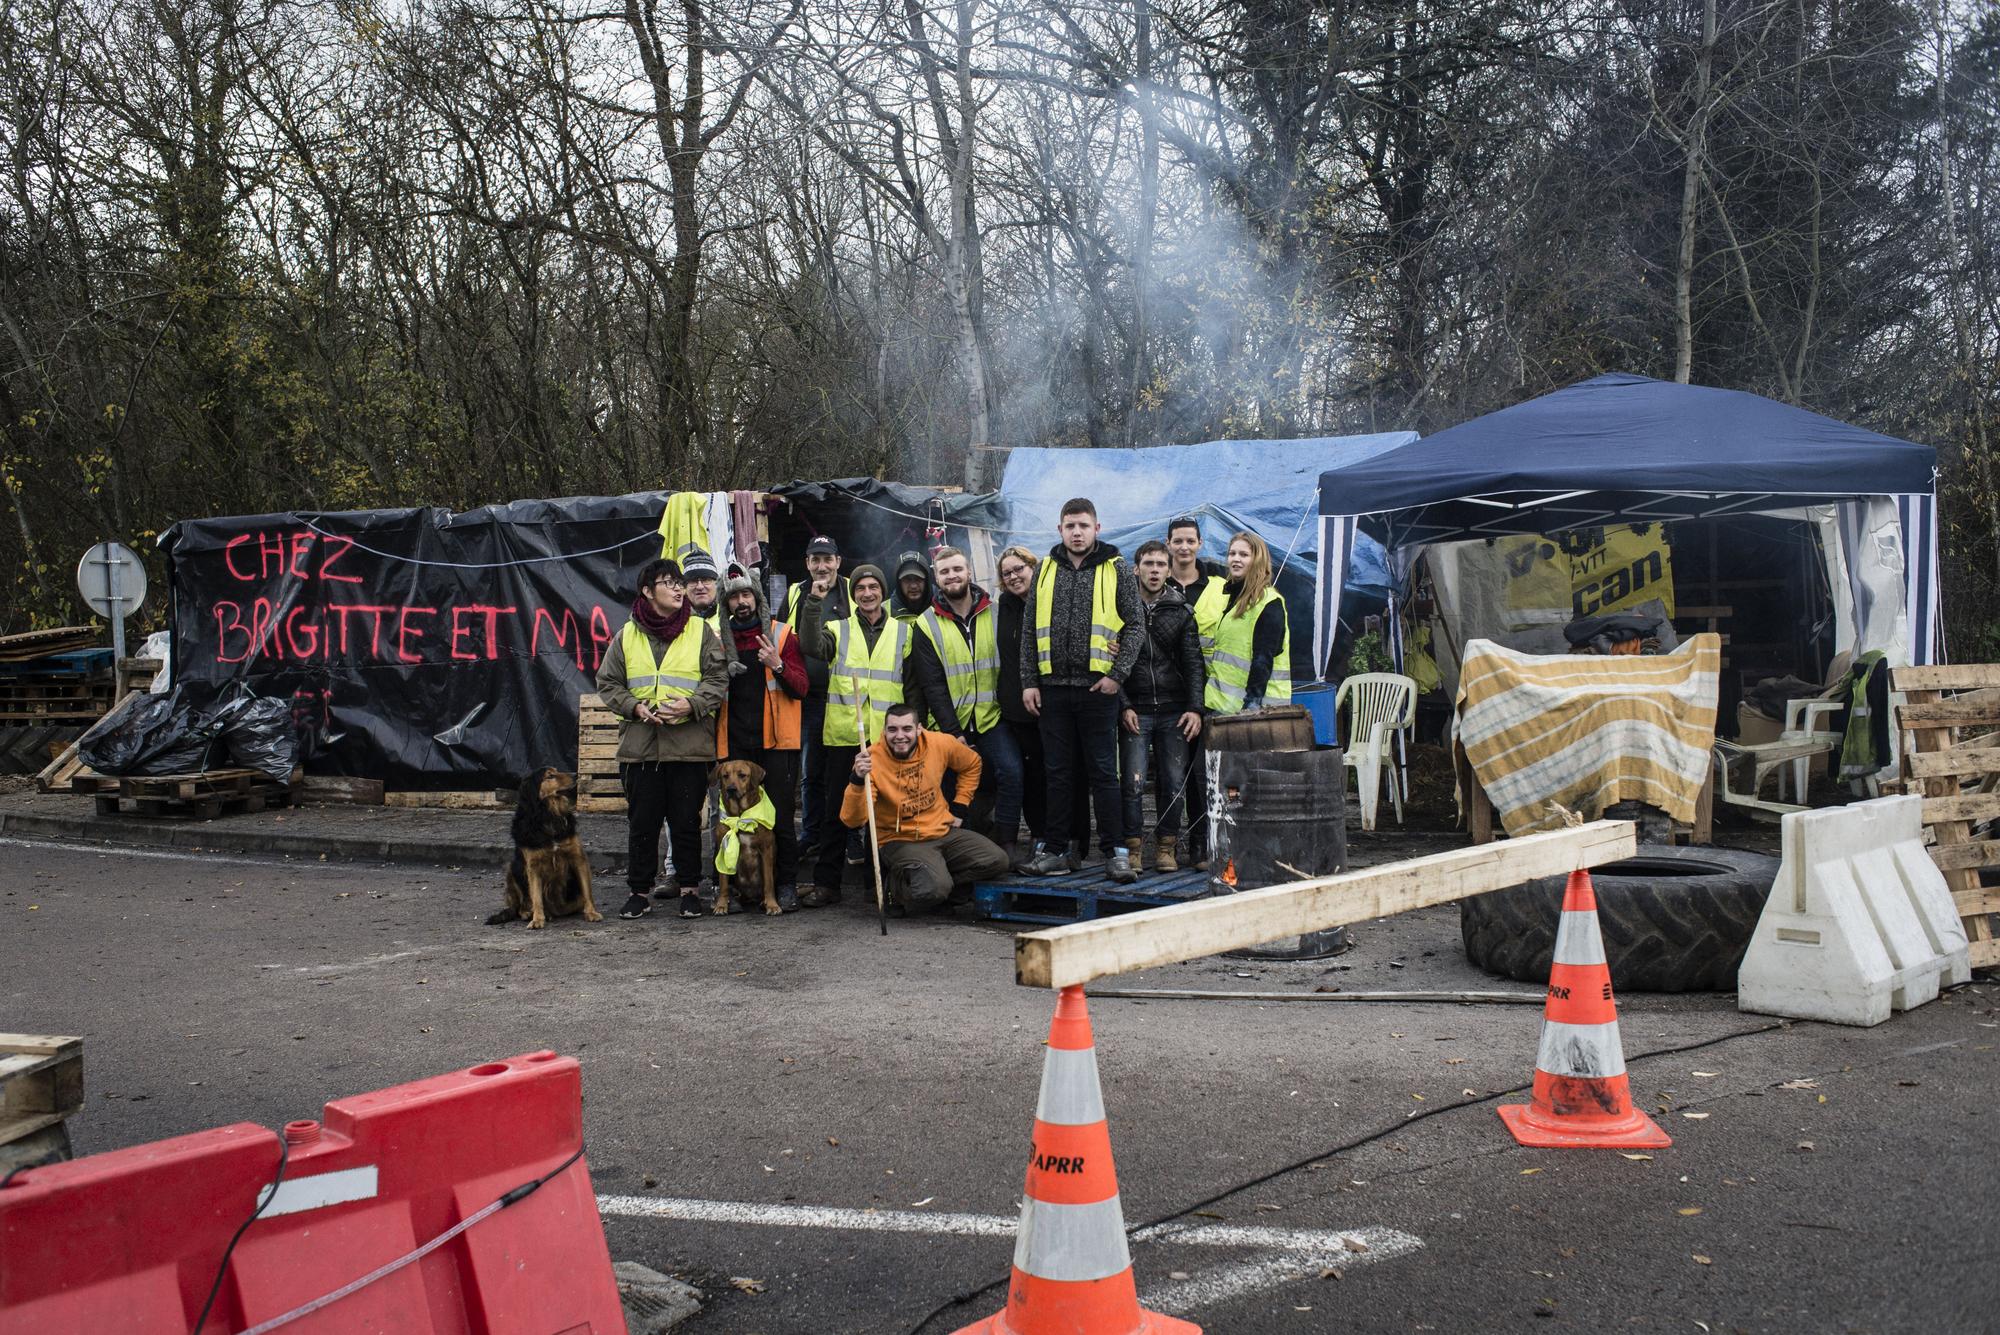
column 822, row 546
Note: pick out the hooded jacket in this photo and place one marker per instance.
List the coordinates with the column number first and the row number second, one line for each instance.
column 1168, row 677
column 1070, row 618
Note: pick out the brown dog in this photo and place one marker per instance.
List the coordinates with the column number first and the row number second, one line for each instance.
column 549, row 876
column 742, row 785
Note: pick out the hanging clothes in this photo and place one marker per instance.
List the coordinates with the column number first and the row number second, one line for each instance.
column 683, row 530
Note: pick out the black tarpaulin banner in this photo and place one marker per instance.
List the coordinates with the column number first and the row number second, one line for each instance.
column 422, row 647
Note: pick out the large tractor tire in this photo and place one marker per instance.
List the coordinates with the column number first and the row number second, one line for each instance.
column 1673, row 919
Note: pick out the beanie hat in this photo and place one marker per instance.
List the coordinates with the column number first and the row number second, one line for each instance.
column 862, row 572
column 699, row 565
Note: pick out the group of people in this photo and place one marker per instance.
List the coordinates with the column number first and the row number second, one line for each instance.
column 1056, row 702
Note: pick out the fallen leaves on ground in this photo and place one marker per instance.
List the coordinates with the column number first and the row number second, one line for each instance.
column 1636, row 1158
column 1689, row 1210
column 748, row 1285
column 1799, row 1084
column 1699, row 1259
column 1695, row 1117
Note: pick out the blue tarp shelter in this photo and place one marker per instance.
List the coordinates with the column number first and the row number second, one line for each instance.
column 1269, row 487
column 1622, row 447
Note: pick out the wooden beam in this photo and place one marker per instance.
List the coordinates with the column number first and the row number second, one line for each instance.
column 1969, row 855
column 1965, row 807
column 1946, row 677
column 1952, row 763
column 1960, row 713
column 1063, row 956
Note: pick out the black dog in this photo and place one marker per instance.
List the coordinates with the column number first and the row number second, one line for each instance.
column 549, row 876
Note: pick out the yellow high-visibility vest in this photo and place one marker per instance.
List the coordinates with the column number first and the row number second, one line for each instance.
column 861, row 678
column 1226, row 641
column 971, row 671
column 1105, row 623
column 673, row 677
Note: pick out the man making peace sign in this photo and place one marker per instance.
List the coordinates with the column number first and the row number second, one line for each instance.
column 760, row 720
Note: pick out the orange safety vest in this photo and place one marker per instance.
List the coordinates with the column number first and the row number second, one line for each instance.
column 781, row 711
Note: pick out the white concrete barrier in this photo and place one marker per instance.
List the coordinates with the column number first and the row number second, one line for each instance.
column 1859, row 923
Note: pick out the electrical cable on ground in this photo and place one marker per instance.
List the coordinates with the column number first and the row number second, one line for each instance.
column 520, row 1193
column 970, row 1295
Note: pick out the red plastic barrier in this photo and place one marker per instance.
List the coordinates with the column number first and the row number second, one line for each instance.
column 130, row 1241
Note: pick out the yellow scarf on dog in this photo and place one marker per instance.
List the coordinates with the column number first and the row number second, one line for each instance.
column 763, row 816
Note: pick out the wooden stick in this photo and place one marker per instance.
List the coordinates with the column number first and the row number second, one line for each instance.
column 874, row 847
column 1063, row 956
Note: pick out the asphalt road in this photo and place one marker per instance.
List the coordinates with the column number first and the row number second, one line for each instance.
column 806, row 1063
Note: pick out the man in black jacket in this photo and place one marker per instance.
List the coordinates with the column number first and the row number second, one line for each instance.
column 1075, row 656
column 1161, row 707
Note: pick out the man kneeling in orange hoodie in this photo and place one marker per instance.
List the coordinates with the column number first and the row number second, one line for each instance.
column 926, row 851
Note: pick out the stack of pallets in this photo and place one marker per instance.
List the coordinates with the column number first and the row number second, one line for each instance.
column 41, row 1084
column 597, row 785
column 203, row 796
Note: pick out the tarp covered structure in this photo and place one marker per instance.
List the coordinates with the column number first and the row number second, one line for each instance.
column 1268, row 487
column 434, row 649
column 1624, row 448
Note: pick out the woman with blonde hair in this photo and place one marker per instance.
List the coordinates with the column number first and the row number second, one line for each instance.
column 1016, row 568
column 1246, row 639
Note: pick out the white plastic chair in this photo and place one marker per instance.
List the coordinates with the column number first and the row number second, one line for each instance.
column 1381, row 704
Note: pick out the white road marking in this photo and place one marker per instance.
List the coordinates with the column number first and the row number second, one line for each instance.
column 168, row 855
column 1298, row 1253
column 1222, row 1283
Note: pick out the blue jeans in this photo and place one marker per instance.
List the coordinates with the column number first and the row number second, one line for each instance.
column 1156, row 751
column 1001, row 754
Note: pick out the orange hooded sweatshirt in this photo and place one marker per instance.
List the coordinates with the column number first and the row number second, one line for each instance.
column 909, row 802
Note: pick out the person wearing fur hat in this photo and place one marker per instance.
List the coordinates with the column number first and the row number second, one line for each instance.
column 760, row 718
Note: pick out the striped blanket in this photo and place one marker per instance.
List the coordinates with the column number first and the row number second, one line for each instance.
column 1585, row 732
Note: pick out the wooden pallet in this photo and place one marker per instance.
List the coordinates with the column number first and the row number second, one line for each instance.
column 1958, row 777
column 135, row 676
column 1084, row 895
column 41, row 1084
column 202, row 796
column 597, row 756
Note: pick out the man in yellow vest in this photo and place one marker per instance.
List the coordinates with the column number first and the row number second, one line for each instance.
column 864, row 665
column 665, row 676
column 1070, row 677
column 825, row 587
column 953, row 676
column 761, row 716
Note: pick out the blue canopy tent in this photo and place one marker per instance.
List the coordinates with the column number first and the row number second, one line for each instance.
column 1268, row 487
column 1622, row 448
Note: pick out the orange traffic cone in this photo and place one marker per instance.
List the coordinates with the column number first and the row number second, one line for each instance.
column 1582, row 1098
column 1072, row 1273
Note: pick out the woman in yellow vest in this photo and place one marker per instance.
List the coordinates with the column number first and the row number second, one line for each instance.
column 665, row 676
column 1246, row 640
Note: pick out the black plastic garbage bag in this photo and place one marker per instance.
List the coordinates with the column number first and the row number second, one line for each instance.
column 155, row 734
column 258, row 733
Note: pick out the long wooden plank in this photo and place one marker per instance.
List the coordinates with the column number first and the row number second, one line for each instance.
column 1946, row 677
column 1950, row 713
column 1983, row 954
column 1079, row 952
column 1965, row 807
column 1970, row 855
column 1976, row 901
column 1955, row 762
